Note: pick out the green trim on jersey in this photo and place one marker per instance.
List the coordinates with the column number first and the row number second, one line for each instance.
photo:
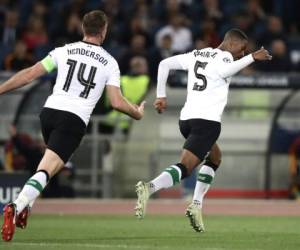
column 48, row 64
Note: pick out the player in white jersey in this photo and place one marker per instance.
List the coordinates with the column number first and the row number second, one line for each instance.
column 83, row 70
column 209, row 73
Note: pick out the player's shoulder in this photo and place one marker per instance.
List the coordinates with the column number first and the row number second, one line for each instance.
column 68, row 45
column 72, row 44
column 225, row 56
column 112, row 60
column 65, row 47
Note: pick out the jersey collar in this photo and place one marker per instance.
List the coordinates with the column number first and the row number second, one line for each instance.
column 91, row 43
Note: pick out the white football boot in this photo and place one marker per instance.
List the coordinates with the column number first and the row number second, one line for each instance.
column 142, row 191
column 194, row 213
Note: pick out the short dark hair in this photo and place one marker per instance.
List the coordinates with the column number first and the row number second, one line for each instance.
column 93, row 22
column 235, row 34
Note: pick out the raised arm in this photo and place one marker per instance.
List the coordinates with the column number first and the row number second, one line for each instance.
column 171, row 63
column 23, row 78
column 227, row 69
column 120, row 103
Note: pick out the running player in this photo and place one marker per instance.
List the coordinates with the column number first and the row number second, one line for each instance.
column 83, row 69
column 209, row 75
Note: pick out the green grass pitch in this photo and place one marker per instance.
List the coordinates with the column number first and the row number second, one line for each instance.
column 156, row 232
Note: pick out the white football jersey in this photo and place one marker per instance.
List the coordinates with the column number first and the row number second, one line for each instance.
column 83, row 70
column 207, row 90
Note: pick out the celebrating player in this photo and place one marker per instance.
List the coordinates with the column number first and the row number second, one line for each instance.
column 83, row 69
column 209, row 75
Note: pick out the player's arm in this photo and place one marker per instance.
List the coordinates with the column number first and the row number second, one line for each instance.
column 171, row 63
column 226, row 69
column 120, row 103
column 23, row 78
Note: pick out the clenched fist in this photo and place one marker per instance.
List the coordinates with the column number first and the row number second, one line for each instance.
column 160, row 104
column 262, row 55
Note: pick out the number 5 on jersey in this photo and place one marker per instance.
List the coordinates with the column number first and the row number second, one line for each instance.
column 199, row 76
column 87, row 83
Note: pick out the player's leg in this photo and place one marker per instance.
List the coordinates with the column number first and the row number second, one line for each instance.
column 63, row 139
column 48, row 166
column 171, row 175
column 206, row 174
column 47, row 126
column 168, row 178
column 49, row 170
column 203, row 136
column 205, row 177
column 63, row 135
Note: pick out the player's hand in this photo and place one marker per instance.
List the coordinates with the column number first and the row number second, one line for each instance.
column 262, row 55
column 160, row 104
column 140, row 110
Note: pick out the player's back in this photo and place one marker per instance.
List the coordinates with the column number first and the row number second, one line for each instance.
column 206, row 90
column 83, row 69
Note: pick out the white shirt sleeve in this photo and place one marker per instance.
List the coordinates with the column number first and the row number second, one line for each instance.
column 171, row 63
column 114, row 75
column 54, row 54
column 227, row 67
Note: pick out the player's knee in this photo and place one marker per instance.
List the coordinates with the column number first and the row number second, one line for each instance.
column 213, row 163
column 214, row 159
column 51, row 163
column 185, row 171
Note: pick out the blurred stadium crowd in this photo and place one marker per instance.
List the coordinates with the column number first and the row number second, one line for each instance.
column 152, row 29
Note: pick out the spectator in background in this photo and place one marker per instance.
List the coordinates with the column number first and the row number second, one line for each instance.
column 281, row 61
column 35, row 34
column 255, row 11
column 113, row 9
column 70, row 32
column 199, row 43
column 159, row 53
column 74, row 6
column 243, row 21
column 208, row 33
column 250, row 69
column 163, row 10
column 144, row 13
column 19, row 59
column 134, row 87
column 22, row 152
column 40, row 10
column 212, row 9
column 172, row 8
column 274, row 31
column 9, row 31
column 137, row 48
column 135, row 27
column 117, row 19
column 180, row 34
column 145, row 17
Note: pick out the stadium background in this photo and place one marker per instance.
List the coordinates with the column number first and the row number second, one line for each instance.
column 260, row 131
column 141, row 33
